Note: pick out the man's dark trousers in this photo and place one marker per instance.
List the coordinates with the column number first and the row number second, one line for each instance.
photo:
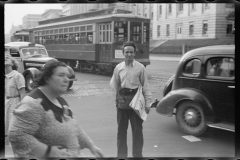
column 123, row 117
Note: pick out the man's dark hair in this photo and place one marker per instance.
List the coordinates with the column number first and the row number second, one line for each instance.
column 129, row 43
column 47, row 71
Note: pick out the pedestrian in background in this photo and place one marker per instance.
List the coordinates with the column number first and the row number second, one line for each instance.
column 14, row 90
column 127, row 76
column 43, row 124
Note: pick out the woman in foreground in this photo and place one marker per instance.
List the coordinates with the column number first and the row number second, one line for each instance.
column 43, row 124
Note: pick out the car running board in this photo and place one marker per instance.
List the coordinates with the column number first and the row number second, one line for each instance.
column 223, row 126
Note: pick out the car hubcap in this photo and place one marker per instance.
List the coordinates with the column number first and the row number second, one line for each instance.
column 192, row 117
column 30, row 83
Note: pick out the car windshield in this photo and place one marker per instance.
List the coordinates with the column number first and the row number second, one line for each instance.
column 34, row 51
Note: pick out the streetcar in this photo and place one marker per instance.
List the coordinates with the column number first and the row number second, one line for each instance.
column 93, row 44
column 20, row 36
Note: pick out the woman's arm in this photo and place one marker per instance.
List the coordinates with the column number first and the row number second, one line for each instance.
column 20, row 82
column 26, row 121
column 86, row 142
column 22, row 92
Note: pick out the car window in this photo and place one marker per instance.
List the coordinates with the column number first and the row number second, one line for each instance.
column 33, row 51
column 14, row 52
column 192, row 68
column 221, row 67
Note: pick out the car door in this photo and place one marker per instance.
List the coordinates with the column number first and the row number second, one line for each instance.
column 220, row 89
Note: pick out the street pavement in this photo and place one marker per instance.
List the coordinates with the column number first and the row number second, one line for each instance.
column 165, row 57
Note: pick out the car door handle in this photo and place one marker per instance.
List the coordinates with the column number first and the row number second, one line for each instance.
column 231, row 86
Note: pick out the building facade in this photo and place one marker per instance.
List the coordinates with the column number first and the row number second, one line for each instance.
column 83, row 8
column 66, row 9
column 192, row 21
column 51, row 13
column 176, row 21
column 31, row 20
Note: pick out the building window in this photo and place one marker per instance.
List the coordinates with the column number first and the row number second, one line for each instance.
column 193, row 6
column 145, row 12
column 168, row 30
column 230, row 28
column 152, row 16
column 191, row 29
column 151, row 33
column 205, row 28
column 158, row 30
column 180, row 7
column 160, row 10
column 206, row 5
column 170, row 8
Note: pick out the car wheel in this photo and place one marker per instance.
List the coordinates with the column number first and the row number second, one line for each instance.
column 190, row 118
column 29, row 82
column 70, row 84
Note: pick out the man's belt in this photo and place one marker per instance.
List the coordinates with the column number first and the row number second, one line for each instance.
column 128, row 91
column 8, row 97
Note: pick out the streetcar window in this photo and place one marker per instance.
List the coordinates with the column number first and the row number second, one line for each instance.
column 83, row 38
column 40, row 40
column 43, row 40
column 70, row 29
column 71, row 39
column 83, row 28
column 65, row 39
column 89, row 28
column 77, row 38
column 36, row 40
column 61, row 39
column 146, row 33
column 76, row 29
column 56, row 39
column 65, row 30
column 120, row 31
column 47, row 40
column 136, row 32
column 89, row 37
column 51, row 39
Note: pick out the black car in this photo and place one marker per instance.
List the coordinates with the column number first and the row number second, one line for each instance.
column 202, row 92
column 31, row 57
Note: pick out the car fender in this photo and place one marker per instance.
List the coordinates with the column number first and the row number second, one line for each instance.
column 175, row 97
column 72, row 74
column 33, row 71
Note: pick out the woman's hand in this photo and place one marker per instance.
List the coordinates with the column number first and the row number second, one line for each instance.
column 57, row 151
column 96, row 151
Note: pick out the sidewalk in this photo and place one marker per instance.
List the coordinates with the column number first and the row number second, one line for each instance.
column 165, row 57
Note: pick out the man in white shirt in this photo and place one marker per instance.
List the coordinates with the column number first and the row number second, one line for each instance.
column 127, row 76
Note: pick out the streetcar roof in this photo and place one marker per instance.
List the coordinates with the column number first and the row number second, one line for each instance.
column 21, row 44
column 92, row 18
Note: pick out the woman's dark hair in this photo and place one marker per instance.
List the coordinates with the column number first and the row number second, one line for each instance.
column 14, row 61
column 47, row 71
column 129, row 43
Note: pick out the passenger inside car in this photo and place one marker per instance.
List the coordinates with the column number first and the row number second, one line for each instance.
column 217, row 69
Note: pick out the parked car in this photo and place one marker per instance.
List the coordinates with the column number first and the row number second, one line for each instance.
column 31, row 58
column 201, row 94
